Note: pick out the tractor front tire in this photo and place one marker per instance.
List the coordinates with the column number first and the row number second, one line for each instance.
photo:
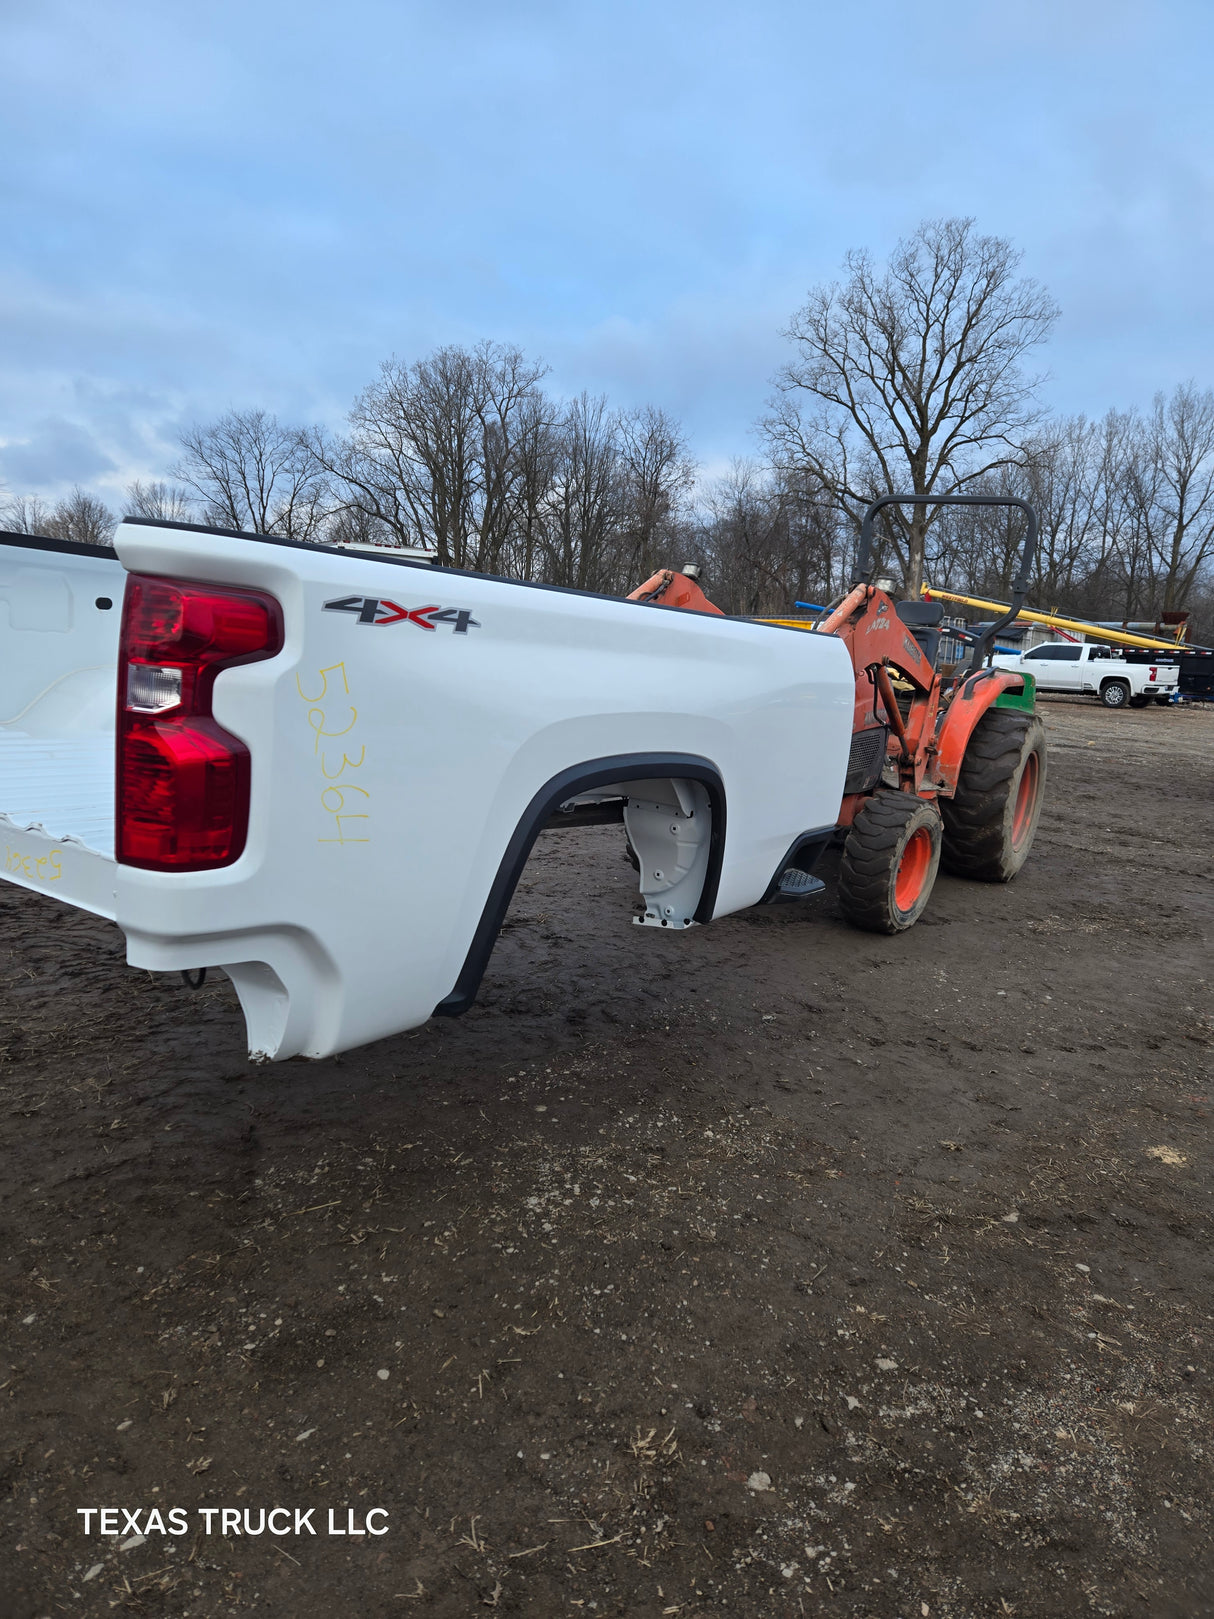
column 890, row 862
column 990, row 821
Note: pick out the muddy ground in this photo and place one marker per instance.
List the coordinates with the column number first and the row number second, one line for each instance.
column 770, row 1269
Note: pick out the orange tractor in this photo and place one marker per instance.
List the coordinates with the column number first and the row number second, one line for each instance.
column 944, row 769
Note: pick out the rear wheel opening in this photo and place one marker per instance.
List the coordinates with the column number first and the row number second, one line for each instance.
column 890, row 862
column 991, row 820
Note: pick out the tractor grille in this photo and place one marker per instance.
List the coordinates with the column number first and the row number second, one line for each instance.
column 866, row 760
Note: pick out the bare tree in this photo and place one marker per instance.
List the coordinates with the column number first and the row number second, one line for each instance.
column 251, row 472
column 82, row 518
column 419, row 424
column 658, row 478
column 514, row 419
column 908, row 378
column 162, row 501
column 1109, row 527
column 766, row 541
column 741, row 540
column 464, row 452
column 1126, row 510
column 1200, row 604
column 537, row 448
column 436, row 450
column 351, row 525
column 1070, row 472
column 1063, row 476
column 586, row 502
column 25, row 514
column 1179, row 456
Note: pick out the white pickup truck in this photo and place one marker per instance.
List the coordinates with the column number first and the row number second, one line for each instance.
column 1089, row 666
column 323, row 772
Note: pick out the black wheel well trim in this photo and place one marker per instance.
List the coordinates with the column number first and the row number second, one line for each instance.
column 803, row 853
column 567, row 784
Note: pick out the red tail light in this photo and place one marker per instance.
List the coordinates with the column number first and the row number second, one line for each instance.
column 183, row 781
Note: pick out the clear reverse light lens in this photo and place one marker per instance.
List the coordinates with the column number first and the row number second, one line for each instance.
column 150, row 688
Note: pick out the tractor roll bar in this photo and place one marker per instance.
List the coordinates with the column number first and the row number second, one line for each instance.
column 1020, row 587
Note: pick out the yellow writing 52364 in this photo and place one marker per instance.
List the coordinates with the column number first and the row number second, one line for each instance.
column 338, row 752
column 35, row 868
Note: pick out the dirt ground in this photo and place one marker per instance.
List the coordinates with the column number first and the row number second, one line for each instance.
column 770, row 1269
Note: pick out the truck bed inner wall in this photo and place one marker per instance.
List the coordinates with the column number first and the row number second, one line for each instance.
column 58, row 657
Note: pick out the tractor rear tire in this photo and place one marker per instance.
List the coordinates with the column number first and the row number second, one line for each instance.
column 890, row 862
column 990, row 821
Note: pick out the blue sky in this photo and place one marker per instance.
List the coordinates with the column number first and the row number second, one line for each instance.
column 254, row 203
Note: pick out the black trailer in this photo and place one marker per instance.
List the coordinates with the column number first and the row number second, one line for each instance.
column 1196, row 665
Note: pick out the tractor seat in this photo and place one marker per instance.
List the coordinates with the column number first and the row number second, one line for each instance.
column 923, row 620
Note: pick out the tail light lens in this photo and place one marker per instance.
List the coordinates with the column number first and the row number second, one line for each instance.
column 183, row 781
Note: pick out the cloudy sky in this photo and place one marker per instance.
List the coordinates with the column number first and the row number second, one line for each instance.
column 251, row 202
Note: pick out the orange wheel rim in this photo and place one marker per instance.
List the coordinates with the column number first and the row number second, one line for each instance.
column 913, row 869
column 1026, row 800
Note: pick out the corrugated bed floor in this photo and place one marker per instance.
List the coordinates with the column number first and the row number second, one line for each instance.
column 65, row 786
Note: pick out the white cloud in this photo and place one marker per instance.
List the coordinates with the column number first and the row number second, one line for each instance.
column 252, row 204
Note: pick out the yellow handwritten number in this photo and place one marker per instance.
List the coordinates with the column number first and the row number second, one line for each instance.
column 333, row 798
column 33, row 867
column 346, row 761
column 320, row 729
column 324, row 675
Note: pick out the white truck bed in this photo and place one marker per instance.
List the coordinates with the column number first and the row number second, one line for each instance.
column 57, row 834
column 63, row 788
column 58, row 667
column 415, row 732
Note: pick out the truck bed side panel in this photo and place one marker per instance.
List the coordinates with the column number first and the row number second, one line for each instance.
column 396, row 747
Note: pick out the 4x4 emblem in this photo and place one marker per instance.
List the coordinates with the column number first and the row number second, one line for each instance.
column 379, row 610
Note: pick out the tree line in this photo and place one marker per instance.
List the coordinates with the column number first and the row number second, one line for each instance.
column 906, row 376
column 1125, row 506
